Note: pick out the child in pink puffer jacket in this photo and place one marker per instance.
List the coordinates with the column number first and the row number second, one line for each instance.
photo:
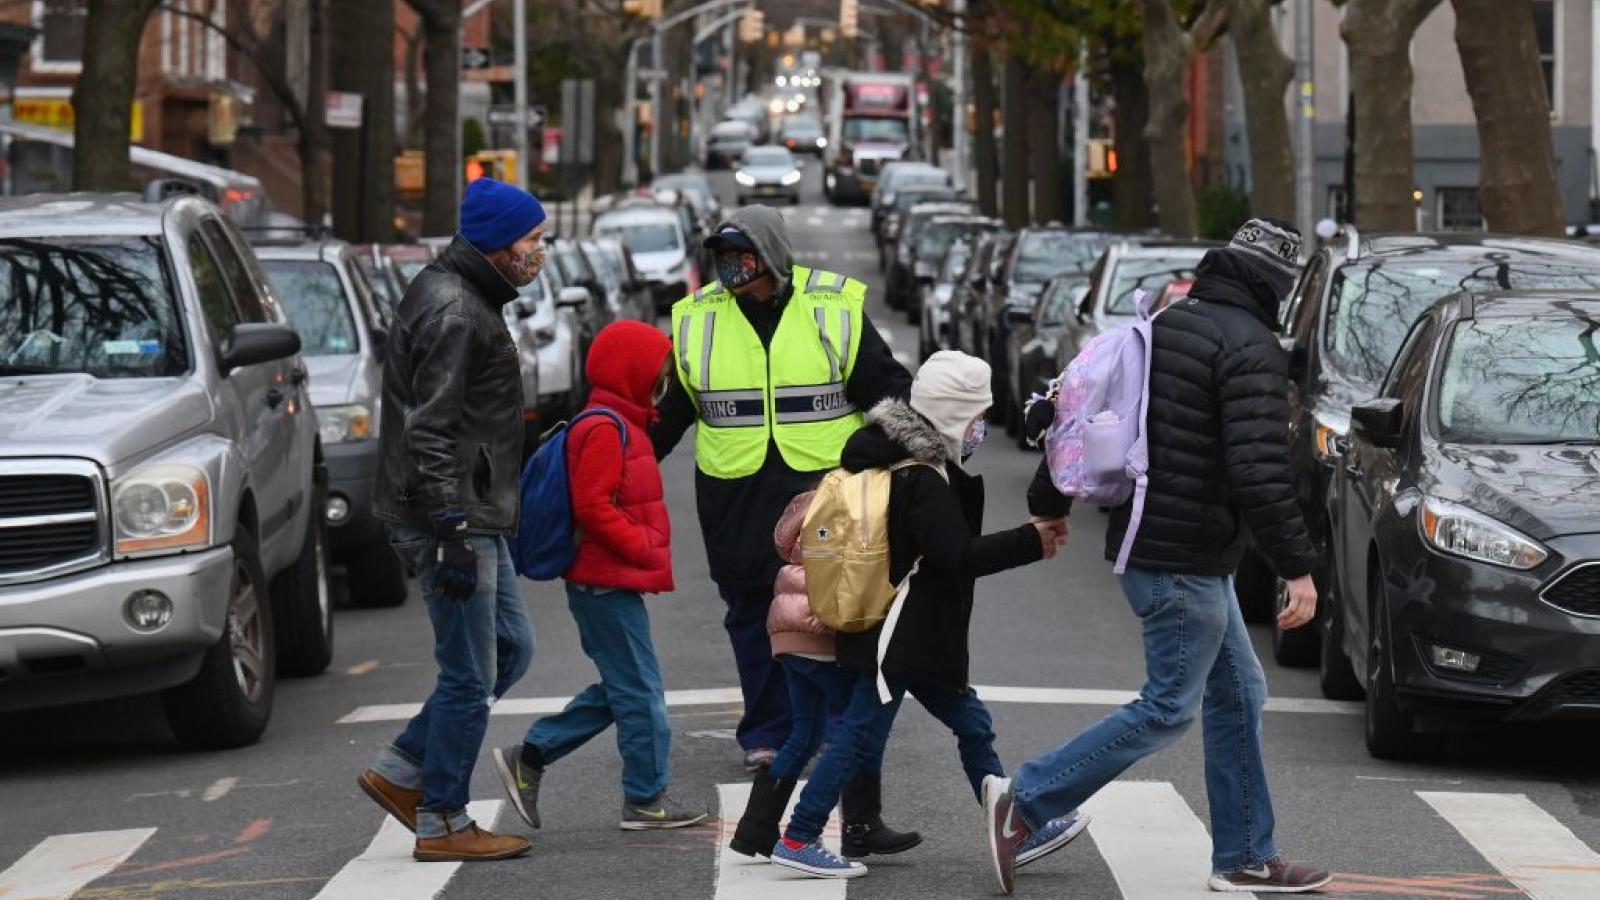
column 805, row 649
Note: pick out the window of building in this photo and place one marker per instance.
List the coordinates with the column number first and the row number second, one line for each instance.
column 1547, row 29
column 59, row 45
column 1459, row 209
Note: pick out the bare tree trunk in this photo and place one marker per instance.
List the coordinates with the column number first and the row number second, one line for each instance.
column 416, row 101
column 441, row 24
column 1044, row 143
column 608, row 103
column 1378, row 35
column 363, row 159
column 103, row 96
column 1517, row 168
column 1265, row 71
column 313, row 127
column 984, row 154
column 1014, row 187
column 1134, row 192
column 1165, row 57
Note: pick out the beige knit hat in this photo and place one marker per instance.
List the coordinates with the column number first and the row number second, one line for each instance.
column 951, row 390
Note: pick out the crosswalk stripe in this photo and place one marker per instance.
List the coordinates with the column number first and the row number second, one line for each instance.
column 387, row 870
column 754, row 878
column 538, row 706
column 62, row 864
column 1524, row 842
column 1155, row 845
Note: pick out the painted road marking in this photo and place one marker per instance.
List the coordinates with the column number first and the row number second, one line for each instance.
column 1154, row 844
column 62, row 864
column 219, row 789
column 386, row 869
column 753, row 877
column 534, row 706
column 1524, row 842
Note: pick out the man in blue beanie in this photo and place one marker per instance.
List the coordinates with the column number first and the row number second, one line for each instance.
column 450, row 444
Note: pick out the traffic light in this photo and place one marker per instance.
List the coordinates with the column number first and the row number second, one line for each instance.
column 849, row 17
column 643, row 9
column 752, row 26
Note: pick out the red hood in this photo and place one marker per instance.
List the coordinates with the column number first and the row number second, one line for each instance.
column 625, row 360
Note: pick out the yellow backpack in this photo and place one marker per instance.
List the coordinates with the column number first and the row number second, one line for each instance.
column 845, row 545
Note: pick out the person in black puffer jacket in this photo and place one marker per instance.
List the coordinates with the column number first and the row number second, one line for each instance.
column 1217, row 424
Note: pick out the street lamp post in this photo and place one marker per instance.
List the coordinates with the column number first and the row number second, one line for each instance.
column 1305, row 160
column 519, row 43
column 958, row 94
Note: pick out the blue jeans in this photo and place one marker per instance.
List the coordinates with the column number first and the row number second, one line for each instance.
column 482, row 646
column 1198, row 659
column 615, row 631
column 816, row 690
column 765, row 722
column 857, row 741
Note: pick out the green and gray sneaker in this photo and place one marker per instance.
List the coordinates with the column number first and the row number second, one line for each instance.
column 521, row 782
column 659, row 813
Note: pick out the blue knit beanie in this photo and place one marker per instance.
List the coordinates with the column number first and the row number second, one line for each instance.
column 495, row 215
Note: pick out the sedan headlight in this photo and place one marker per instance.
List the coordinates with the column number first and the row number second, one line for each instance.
column 1464, row 532
column 341, row 424
column 822, row 143
column 792, row 178
column 162, row 507
column 745, row 178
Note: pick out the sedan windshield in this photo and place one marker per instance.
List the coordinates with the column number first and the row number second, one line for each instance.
column 802, row 128
column 1372, row 306
column 936, row 237
column 313, row 296
column 1149, row 275
column 644, row 237
column 768, row 158
column 1522, row 381
column 1046, row 254
column 101, row 307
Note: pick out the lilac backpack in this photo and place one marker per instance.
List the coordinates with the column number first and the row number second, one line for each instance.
column 1097, row 447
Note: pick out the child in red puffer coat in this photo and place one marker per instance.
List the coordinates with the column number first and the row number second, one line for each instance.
column 624, row 552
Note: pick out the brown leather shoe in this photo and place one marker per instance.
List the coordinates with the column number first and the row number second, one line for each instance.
column 396, row 801
column 471, row 844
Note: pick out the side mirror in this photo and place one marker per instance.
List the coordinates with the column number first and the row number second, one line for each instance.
column 1296, row 351
column 1379, row 422
column 252, row 343
column 572, row 298
column 380, row 339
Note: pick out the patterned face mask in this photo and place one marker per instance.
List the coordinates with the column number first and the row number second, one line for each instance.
column 737, row 268
column 974, row 440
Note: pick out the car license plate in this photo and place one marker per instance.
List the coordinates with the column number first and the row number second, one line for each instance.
column 766, row 189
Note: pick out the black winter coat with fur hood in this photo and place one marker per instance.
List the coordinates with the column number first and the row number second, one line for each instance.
column 939, row 522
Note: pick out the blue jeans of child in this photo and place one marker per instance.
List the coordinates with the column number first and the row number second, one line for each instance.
column 1198, row 659
column 615, row 630
column 481, row 645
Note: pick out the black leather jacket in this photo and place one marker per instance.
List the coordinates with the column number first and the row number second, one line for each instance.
column 450, row 434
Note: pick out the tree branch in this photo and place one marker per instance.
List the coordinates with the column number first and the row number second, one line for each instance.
column 275, row 82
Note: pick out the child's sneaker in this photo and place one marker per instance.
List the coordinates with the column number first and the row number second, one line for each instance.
column 1056, row 833
column 814, row 860
column 660, row 812
column 521, row 782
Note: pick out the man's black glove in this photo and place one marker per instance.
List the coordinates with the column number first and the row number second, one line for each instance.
column 455, row 572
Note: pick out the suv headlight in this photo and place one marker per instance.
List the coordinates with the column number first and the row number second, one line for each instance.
column 339, row 424
column 162, row 507
column 1464, row 532
column 745, row 178
column 792, row 178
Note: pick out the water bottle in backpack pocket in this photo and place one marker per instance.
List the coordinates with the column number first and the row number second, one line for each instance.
column 546, row 542
column 1097, row 448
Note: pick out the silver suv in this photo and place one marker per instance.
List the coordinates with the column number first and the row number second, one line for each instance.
column 343, row 327
column 161, row 481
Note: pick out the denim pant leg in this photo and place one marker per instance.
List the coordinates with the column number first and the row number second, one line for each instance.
column 969, row 720
column 513, row 626
column 816, row 687
column 585, row 715
column 765, row 723
column 1236, row 775
column 1184, row 619
column 862, row 731
column 619, row 630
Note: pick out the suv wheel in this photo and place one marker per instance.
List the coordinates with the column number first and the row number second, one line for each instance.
column 1298, row 647
column 228, row 702
column 381, row 577
column 304, row 599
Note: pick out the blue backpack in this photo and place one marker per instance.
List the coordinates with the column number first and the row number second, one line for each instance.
column 544, row 546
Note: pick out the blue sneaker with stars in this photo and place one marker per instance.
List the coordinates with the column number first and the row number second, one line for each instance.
column 814, row 859
column 1056, row 833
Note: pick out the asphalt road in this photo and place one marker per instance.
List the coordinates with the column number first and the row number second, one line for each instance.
column 97, row 800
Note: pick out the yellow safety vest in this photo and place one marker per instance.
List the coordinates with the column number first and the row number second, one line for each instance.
column 792, row 394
